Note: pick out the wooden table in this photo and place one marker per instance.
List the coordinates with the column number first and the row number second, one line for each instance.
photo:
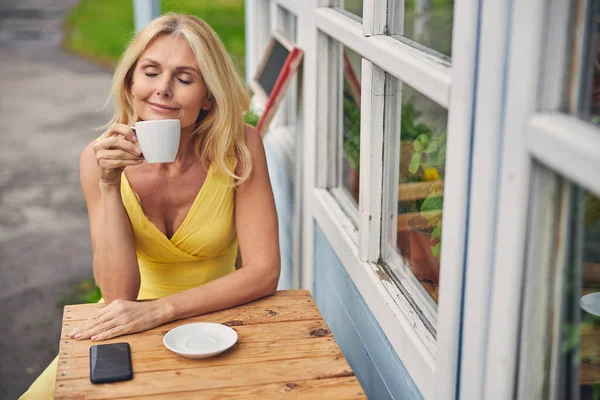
column 284, row 350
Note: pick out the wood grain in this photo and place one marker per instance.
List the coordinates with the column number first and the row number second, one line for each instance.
column 284, row 350
column 331, row 389
column 242, row 353
column 284, row 307
column 152, row 340
column 210, row 377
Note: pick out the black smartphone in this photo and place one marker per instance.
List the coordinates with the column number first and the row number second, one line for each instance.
column 110, row 363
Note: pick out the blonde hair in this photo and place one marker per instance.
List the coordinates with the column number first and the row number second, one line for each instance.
column 219, row 135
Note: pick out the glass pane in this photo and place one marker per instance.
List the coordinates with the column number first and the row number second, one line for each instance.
column 426, row 22
column 591, row 91
column 288, row 109
column 351, row 123
column 580, row 341
column 421, row 186
column 354, row 6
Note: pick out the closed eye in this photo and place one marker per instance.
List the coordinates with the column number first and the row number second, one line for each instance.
column 184, row 81
column 150, row 74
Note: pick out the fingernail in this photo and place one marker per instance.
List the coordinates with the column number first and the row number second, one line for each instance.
column 77, row 336
column 134, row 138
column 94, row 338
column 138, row 151
column 74, row 332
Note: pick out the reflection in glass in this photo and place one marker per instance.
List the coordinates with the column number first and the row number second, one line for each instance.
column 351, row 122
column 580, row 341
column 421, row 186
column 354, row 6
column 593, row 94
column 426, row 22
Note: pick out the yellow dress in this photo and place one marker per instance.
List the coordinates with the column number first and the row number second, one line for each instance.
column 202, row 249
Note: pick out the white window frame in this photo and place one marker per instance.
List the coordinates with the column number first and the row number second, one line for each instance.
column 424, row 358
column 509, row 333
column 398, row 318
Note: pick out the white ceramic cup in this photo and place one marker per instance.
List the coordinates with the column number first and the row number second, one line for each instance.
column 158, row 139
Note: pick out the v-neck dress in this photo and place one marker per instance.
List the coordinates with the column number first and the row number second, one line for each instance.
column 203, row 248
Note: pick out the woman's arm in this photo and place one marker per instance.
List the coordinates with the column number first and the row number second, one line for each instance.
column 257, row 231
column 115, row 263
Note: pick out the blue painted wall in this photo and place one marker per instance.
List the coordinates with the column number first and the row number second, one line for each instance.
column 365, row 346
column 283, row 191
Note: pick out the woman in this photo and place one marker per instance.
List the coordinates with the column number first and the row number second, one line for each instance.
column 170, row 232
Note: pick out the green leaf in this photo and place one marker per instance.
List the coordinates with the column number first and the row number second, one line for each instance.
column 433, row 202
column 418, row 146
column 432, row 147
column 571, row 334
column 251, row 118
column 422, row 129
column 436, row 233
column 436, row 250
column 415, row 163
column 425, row 138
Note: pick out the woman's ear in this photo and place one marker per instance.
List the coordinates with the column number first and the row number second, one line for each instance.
column 208, row 103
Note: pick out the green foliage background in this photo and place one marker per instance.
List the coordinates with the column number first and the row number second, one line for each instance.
column 101, row 29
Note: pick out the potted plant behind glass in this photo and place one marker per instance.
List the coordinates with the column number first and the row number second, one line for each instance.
column 410, row 130
column 425, row 227
column 417, row 151
column 351, row 144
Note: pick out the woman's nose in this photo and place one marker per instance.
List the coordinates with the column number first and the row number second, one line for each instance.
column 164, row 88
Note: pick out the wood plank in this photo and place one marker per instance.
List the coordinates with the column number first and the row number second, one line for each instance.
column 284, row 349
column 589, row 374
column 163, row 359
column 284, row 307
column 157, row 383
column 293, row 292
column 589, row 370
column 418, row 190
column 589, row 348
column 152, row 340
column 326, row 389
column 590, row 329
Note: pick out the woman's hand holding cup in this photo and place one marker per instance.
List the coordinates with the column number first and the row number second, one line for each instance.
column 116, row 149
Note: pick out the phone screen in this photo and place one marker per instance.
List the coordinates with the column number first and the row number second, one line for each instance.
column 110, row 363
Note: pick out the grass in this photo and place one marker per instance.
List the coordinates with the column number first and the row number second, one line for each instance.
column 101, row 29
column 84, row 291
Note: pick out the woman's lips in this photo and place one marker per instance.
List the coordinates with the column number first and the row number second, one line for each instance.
column 160, row 108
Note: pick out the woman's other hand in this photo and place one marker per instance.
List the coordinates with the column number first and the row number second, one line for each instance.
column 122, row 317
column 116, row 149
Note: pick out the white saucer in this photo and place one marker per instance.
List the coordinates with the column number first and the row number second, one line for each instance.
column 200, row 340
column 590, row 303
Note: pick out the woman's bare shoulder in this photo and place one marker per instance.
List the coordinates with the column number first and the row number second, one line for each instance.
column 253, row 139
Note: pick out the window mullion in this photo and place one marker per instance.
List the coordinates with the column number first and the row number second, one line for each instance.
column 290, row 5
column 371, row 161
column 328, row 111
column 374, row 17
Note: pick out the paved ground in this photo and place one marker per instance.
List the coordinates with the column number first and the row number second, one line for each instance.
column 48, row 109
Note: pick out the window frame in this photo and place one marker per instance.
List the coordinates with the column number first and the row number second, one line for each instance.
column 540, row 142
column 358, row 251
column 424, row 358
